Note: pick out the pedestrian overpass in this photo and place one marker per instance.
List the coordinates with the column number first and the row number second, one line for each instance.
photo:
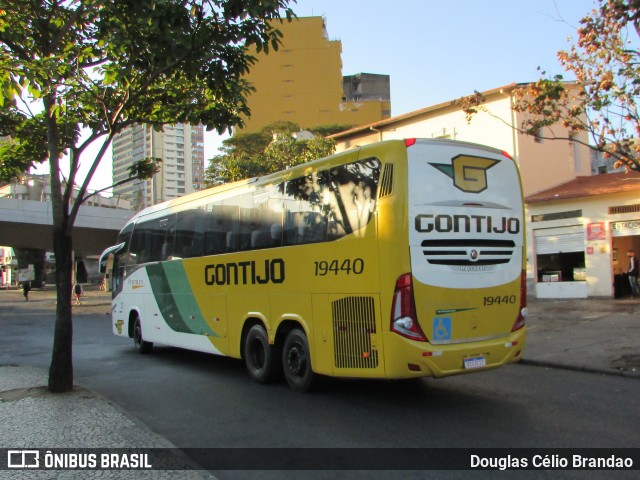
column 29, row 224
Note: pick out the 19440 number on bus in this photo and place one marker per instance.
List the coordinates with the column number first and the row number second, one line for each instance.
column 347, row 266
column 497, row 300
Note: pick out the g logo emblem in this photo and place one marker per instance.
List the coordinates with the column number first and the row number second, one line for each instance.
column 469, row 173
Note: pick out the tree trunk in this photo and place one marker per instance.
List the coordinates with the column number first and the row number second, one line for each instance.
column 61, row 369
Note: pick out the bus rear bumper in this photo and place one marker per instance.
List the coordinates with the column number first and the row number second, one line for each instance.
column 406, row 358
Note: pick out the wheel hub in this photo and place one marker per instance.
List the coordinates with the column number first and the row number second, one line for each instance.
column 295, row 361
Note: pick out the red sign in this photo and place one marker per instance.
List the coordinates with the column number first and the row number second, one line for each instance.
column 596, row 231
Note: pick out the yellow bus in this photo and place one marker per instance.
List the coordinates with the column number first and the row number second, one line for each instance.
column 399, row 259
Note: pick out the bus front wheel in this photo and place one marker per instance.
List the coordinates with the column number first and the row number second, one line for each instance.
column 259, row 357
column 140, row 343
column 296, row 361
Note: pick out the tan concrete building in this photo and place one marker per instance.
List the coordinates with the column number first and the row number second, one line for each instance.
column 302, row 83
column 536, row 157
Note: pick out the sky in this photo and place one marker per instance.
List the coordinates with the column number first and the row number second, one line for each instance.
column 435, row 51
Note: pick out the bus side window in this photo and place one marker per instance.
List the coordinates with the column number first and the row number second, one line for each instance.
column 233, row 241
column 163, row 238
column 305, row 210
column 214, row 242
column 124, row 256
column 291, row 231
column 154, row 240
column 165, row 251
column 260, row 219
column 268, row 233
column 352, row 198
column 218, row 219
column 239, row 237
column 276, row 234
column 125, row 237
column 139, row 241
column 260, row 238
column 189, row 234
column 314, row 228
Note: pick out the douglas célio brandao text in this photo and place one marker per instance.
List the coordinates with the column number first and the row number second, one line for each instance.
column 551, row 461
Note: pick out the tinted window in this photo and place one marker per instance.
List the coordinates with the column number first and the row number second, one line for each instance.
column 154, row 240
column 318, row 207
column 328, row 205
column 189, row 233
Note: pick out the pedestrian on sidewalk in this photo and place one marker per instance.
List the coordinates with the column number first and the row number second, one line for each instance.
column 26, row 288
column 77, row 292
column 633, row 273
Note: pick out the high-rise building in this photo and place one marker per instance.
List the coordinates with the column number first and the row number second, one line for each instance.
column 181, row 148
column 302, row 82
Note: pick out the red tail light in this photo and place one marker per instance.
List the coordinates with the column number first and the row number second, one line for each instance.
column 410, row 142
column 403, row 311
column 522, row 313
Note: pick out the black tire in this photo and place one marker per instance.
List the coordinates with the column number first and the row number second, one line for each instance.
column 140, row 343
column 260, row 359
column 296, row 361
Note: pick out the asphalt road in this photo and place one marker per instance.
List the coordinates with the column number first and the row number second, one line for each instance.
column 198, row 401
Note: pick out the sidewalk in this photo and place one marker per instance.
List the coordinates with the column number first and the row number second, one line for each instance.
column 45, row 298
column 591, row 335
column 32, row 417
column 594, row 335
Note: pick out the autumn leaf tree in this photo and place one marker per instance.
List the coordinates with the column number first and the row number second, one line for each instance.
column 99, row 66
column 605, row 61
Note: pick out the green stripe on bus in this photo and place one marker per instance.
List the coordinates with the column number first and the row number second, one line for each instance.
column 175, row 299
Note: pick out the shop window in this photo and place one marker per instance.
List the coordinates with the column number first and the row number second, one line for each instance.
column 561, row 267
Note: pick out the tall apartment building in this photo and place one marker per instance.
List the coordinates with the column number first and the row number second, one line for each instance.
column 302, row 82
column 181, row 148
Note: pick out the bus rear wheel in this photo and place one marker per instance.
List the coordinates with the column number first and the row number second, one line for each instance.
column 259, row 357
column 296, row 361
column 140, row 343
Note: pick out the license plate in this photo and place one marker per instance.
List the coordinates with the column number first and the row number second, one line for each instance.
column 475, row 362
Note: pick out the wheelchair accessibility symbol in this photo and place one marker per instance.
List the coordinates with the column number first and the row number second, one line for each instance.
column 441, row 329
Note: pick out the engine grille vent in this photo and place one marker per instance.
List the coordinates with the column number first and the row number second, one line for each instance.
column 353, row 324
column 386, row 184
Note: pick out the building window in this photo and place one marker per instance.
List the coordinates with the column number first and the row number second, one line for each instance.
column 560, row 256
column 561, row 267
column 545, row 217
